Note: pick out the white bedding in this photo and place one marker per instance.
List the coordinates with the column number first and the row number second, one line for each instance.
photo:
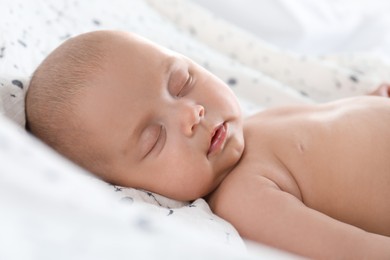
column 313, row 27
column 51, row 209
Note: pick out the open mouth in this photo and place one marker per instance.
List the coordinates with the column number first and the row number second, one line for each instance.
column 218, row 139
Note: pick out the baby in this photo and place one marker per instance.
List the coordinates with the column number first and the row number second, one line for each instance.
column 310, row 179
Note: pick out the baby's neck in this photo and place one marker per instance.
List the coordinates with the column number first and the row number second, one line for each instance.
column 209, row 196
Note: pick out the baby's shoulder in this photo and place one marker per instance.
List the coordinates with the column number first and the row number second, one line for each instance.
column 234, row 187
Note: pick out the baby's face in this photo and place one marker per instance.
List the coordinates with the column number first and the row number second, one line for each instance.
column 161, row 122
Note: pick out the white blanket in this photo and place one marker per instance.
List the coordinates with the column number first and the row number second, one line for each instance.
column 51, row 209
column 318, row 27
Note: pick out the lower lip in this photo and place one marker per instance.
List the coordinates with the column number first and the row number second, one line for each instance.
column 218, row 140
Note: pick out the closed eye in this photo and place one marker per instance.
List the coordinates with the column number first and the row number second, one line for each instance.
column 152, row 139
column 186, row 87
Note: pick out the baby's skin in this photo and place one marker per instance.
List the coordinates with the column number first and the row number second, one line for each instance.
column 310, row 175
column 310, row 179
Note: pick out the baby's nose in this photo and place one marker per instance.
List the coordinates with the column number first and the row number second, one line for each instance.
column 190, row 117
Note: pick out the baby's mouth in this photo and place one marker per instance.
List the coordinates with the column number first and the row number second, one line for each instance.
column 218, row 138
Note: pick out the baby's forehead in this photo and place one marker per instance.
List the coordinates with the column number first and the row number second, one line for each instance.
column 137, row 65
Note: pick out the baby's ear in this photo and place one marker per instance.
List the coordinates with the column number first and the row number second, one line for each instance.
column 383, row 90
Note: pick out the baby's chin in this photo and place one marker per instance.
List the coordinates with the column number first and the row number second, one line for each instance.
column 237, row 145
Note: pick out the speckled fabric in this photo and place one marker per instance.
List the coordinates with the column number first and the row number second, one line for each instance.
column 319, row 78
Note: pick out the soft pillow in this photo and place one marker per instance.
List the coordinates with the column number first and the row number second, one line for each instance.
column 51, row 209
column 12, row 93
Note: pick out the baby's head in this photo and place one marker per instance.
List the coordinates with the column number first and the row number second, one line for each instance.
column 136, row 114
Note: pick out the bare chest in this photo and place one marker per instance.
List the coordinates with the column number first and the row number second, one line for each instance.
column 335, row 159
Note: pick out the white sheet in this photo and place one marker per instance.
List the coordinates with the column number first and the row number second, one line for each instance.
column 312, row 27
column 51, row 209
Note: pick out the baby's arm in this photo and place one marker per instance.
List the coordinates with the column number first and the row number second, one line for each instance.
column 262, row 212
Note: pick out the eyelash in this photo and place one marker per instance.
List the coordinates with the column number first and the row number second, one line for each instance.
column 156, row 141
column 186, row 87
